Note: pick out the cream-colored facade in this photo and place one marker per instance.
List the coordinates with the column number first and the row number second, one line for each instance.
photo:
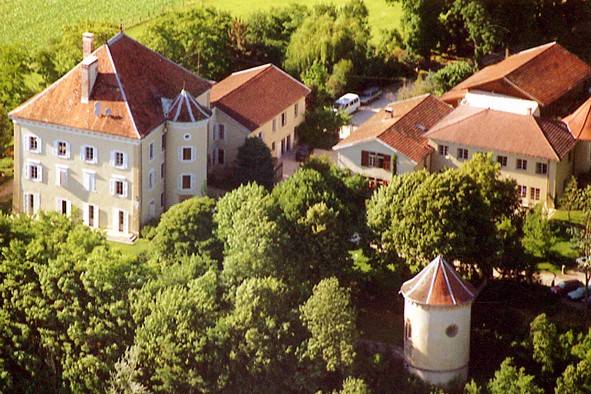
column 278, row 135
column 583, row 157
column 534, row 187
column 350, row 157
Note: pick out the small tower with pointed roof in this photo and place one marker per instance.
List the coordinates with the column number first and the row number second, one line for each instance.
column 437, row 313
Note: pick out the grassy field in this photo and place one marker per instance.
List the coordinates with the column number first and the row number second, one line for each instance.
column 35, row 22
column 137, row 248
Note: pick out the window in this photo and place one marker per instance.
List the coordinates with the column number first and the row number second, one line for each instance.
column 151, row 151
column 162, row 200
column 282, row 146
column 502, row 160
column 89, row 154
column 541, row 168
column 62, row 149
column 34, row 171
column 443, row 149
column 221, row 157
column 407, row 329
column 186, row 153
column 186, row 182
column 260, row 135
column 61, row 176
column 119, row 187
column 521, row 164
column 221, row 132
column 118, row 159
column 89, row 180
column 273, row 147
column 162, row 170
column 462, row 154
column 274, row 124
column 451, row 330
column 64, row 206
column 120, row 220
column 91, row 215
column 283, row 119
column 534, row 193
column 33, row 144
column 151, row 179
column 187, row 137
column 296, row 109
column 163, row 142
column 31, row 203
column 288, row 142
column 522, row 190
column 376, row 160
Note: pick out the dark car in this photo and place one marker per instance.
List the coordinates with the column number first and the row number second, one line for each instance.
column 303, row 152
column 566, row 287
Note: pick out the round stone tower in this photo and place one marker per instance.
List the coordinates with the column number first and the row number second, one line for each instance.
column 437, row 311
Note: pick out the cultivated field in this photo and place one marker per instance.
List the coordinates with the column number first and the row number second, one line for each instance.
column 34, row 22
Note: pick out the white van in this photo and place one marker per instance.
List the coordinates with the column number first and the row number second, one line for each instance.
column 348, row 103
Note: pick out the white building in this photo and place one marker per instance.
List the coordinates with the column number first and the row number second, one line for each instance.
column 437, row 312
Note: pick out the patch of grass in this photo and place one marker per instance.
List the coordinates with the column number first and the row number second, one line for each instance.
column 548, row 266
column 36, row 22
column 140, row 246
column 576, row 217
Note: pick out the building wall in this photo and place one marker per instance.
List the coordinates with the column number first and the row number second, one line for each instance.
column 234, row 136
column 583, row 157
column 429, row 347
column 151, row 195
column 350, row 157
column 179, row 135
column 550, row 184
column 74, row 191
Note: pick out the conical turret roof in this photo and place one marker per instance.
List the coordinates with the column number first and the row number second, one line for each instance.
column 184, row 108
column 438, row 284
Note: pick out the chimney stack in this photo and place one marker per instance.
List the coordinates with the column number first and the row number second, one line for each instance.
column 87, row 44
column 89, row 71
column 388, row 113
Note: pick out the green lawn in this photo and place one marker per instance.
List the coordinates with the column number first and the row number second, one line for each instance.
column 141, row 245
column 35, row 22
column 576, row 217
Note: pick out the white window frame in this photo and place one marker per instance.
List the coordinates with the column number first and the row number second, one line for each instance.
column 56, row 149
column 58, row 205
column 36, row 164
column 443, row 150
column 36, row 203
column 541, row 168
column 58, row 170
column 180, row 183
column 39, row 148
column 125, row 186
column 519, row 164
column 89, row 180
column 180, row 153
column 94, row 154
column 114, row 160
column 151, row 179
column 96, row 211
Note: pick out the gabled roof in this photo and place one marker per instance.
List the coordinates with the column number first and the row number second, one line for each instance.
column 255, row 96
column 184, row 108
column 438, row 284
column 579, row 122
column 404, row 129
column 543, row 74
column 504, row 131
column 132, row 79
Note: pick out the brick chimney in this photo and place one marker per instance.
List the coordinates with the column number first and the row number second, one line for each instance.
column 89, row 71
column 87, row 44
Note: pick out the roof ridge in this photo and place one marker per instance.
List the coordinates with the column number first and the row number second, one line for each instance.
column 423, row 98
column 480, row 111
column 541, row 130
column 122, row 91
column 587, row 104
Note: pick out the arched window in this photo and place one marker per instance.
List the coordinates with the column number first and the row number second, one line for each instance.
column 407, row 329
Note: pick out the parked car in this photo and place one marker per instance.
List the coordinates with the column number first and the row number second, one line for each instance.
column 370, row 94
column 348, row 103
column 566, row 287
column 303, row 152
column 579, row 293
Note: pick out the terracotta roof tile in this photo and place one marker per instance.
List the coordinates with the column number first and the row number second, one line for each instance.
column 543, row 74
column 131, row 82
column 438, row 284
column 255, row 96
column 505, row 132
column 404, row 130
column 579, row 122
column 184, row 108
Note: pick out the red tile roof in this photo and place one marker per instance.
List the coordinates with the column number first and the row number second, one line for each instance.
column 505, row 132
column 255, row 96
column 404, row 130
column 131, row 82
column 543, row 74
column 579, row 122
column 438, row 284
column 184, row 108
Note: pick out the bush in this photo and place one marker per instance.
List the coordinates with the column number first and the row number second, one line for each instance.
column 321, row 127
column 451, row 75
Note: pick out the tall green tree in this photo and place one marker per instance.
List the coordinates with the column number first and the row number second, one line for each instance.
column 510, row 379
column 254, row 163
column 538, row 236
column 544, row 340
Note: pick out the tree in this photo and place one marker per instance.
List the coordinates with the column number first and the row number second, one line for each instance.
column 330, row 318
column 571, row 196
column 538, row 237
column 451, row 75
column 509, row 379
column 199, row 40
column 544, row 340
column 186, row 229
column 254, row 163
column 321, row 127
column 124, row 379
column 339, row 80
column 576, row 378
column 353, row 385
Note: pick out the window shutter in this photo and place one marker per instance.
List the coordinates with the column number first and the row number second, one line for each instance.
column 95, row 152
column 40, row 173
column 112, row 186
column 39, row 145
column 27, row 171
column 112, row 158
column 82, row 152
column 387, row 161
column 125, row 188
column 96, row 210
column 36, row 202
column 364, row 158
column 125, row 160
column 58, row 205
column 125, row 222
column 68, row 207
column 85, row 209
column 67, row 150
column 55, row 152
